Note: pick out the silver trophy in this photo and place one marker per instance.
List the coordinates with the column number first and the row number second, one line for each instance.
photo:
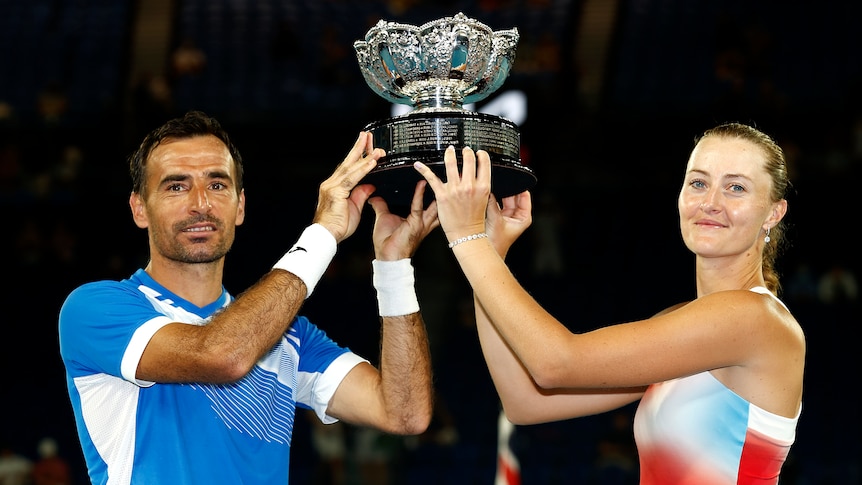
column 437, row 68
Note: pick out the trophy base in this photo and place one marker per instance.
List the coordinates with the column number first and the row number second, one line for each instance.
column 424, row 137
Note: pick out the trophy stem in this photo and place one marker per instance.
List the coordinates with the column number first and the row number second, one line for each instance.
column 438, row 97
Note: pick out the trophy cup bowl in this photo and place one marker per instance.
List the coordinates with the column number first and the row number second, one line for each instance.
column 436, row 68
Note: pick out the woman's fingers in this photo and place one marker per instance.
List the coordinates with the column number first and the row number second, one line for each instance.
column 468, row 164
column 473, row 178
column 450, row 163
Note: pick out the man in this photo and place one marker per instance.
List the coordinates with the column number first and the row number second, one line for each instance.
column 173, row 380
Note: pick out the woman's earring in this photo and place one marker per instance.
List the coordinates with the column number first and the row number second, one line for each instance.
column 767, row 239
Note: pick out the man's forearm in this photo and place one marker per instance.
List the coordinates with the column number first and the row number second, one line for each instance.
column 405, row 369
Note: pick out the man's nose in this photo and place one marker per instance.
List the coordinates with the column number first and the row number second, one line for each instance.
column 200, row 200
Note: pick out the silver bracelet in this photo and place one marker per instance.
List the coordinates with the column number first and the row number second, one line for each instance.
column 467, row 238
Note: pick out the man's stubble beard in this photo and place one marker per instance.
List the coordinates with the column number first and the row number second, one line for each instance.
column 194, row 252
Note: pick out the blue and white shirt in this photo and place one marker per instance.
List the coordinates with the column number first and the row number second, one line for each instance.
column 136, row 432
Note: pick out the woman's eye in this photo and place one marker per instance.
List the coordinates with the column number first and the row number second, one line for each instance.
column 737, row 188
column 697, row 184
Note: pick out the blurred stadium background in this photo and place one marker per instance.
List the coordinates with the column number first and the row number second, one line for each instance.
column 616, row 90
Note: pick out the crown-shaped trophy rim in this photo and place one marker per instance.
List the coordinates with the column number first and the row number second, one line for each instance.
column 460, row 19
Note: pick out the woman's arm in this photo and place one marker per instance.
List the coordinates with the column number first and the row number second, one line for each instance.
column 715, row 331
column 526, row 403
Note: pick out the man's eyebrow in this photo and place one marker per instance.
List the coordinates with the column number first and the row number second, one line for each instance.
column 218, row 174
column 174, row 177
column 180, row 177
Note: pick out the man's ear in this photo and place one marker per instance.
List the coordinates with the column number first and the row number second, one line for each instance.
column 240, row 208
column 136, row 203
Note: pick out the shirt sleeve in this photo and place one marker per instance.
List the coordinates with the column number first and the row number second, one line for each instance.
column 99, row 322
column 323, row 364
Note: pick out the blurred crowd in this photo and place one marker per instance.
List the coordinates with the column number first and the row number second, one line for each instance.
column 64, row 189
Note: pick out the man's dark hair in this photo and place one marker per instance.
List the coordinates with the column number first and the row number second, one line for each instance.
column 192, row 124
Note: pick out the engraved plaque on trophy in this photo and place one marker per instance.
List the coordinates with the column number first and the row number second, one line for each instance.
column 437, row 68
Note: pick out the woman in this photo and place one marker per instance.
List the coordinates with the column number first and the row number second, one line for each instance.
column 719, row 378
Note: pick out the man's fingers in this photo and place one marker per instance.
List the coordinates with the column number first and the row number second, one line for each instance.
column 418, row 201
column 361, row 146
column 359, row 195
column 430, row 217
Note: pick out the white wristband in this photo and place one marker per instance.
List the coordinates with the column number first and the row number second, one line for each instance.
column 393, row 281
column 310, row 256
